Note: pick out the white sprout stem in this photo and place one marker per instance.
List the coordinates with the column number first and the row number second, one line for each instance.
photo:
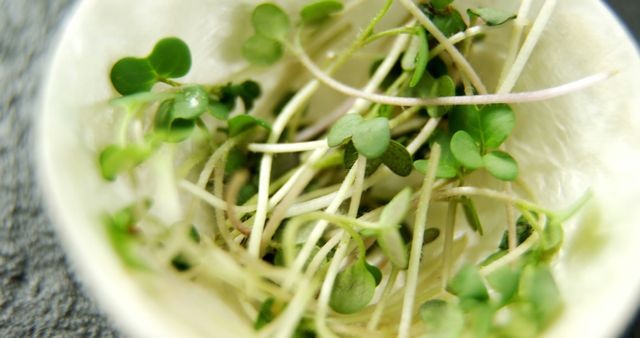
column 295, row 178
column 423, row 135
column 512, row 256
column 290, row 317
column 449, row 230
column 516, row 36
column 356, row 196
column 379, row 310
column 498, row 195
column 417, row 243
column 527, row 48
column 255, row 238
column 211, row 199
column 319, row 258
column 456, row 38
column 213, row 160
column 278, row 148
column 532, row 96
column 457, row 57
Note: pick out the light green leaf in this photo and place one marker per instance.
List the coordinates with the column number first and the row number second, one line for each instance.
column 320, row 11
column 443, row 320
column 505, row 281
column 242, row 123
column 539, row 288
column 465, row 150
column 444, row 86
column 394, row 212
column 422, row 58
column 343, row 129
column 430, row 235
column 449, row 22
column 262, row 51
column 497, row 122
column 393, row 246
column 270, row 21
column 398, row 159
column 115, row 159
column 468, row 284
column 371, row 138
column 351, row 156
column 375, row 272
column 501, row 165
column 353, row 289
column 493, row 17
column 190, row 102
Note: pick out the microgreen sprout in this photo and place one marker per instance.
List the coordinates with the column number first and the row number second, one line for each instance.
column 314, row 243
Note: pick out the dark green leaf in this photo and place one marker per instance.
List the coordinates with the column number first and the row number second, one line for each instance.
column 501, row 165
column 450, row 22
column 219, row 110
column 351, row 156
column 115, row 159
column 430, row 235
column 443, row 320
column 466, row 118
column 540, row 289
column 422, row 58
column 353, row 289
column 523, row 231
column 391, row 242
column 493, row 17
column 471, row 214
column 398, row 159
column 270, row 21
column 265, row 315
column 194, row 235
column 443, row 86
column 242, row 123
column 132, row 75
column 371, row 138
column 170, row 58
column 448, row 167
column 249, row 91
column 320, row 10
column 467, row 284
column 375, row 272
column 236, row 159
column 181, row 263
column 440, row 5
column 465, row 150
column 343, row 129
column 262, row 51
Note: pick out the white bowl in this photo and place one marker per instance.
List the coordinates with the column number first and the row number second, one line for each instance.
column 584, row 140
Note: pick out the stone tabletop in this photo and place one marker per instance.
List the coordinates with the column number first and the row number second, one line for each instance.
column 39, row 294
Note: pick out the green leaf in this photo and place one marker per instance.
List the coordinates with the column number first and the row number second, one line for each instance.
column 493, row 257
column 265, row 315
column 190, row 103
column 320, row 11
column 443, row 320
column 248, row 91
column 521, row 323
column 539, row 288
column 449, row 23
column 132, row 75
column 351, row 156
column 398, row 159
column 501, row 165
column 471, row 214
column 394, row 212
column 375, row 272
column 467, row 284
column 505, row 281
column 493, row 17
column 448, row 167
column 465, row 150
column 523, row 231
column 422, row 58
column 270, row 21
column 170, row 58
column 479, row 318
column 171, row 129
column 391, row 242
column 552, row 238
column 242, row 123
column 262, row 51
column 353, row 289
column 236, row 159
column 440, row 4
column 466, row 118
column 371, row 138
column 115, row 159
column 343, row 129
column 430, row 235
column 181, row 263
column 497, row 122
column 443, row 86
column 121, row 234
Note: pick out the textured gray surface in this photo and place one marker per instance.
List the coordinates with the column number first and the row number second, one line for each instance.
column 39, row 296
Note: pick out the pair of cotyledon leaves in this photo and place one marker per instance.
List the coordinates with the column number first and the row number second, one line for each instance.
column 272, row 25
column 372, row 139
column 477, row 132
